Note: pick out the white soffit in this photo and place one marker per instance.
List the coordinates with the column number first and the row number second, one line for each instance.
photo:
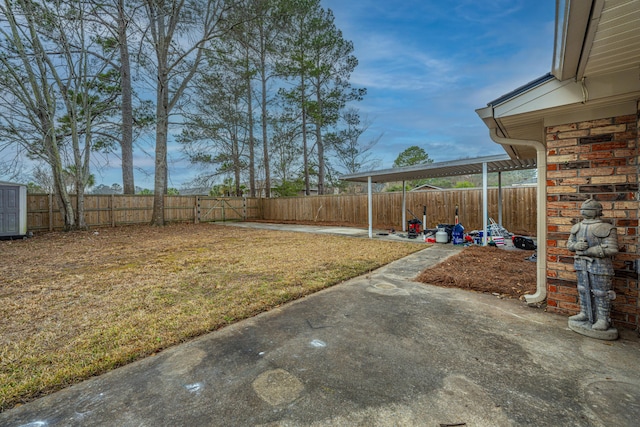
column 616, row 39
column 605, row 36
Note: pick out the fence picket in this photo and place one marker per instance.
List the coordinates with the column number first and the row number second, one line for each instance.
column 518, row 207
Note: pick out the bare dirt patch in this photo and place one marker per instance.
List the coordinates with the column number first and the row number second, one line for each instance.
column 77, row 304
column 506, row 273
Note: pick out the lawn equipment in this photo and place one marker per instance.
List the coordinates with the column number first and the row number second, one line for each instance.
column 524, row 242
column 414, row 224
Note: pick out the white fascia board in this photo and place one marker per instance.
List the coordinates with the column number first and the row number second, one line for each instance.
column 572, row 20
column 562, row 15
column 554, row 94
column 485, row 113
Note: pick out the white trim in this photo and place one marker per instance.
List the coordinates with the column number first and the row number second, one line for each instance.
column 404, row 206
column 617, row 109
column 611, row 89
column 14, row 184
column 370, row 207
column 23, row 209
column 572, row 20
column 485, row 205
column 592, row 27
column 500, row 198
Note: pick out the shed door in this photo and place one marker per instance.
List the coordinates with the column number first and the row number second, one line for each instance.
column 9, row 210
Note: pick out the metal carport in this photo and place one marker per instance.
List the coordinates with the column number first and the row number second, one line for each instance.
column 479, row 165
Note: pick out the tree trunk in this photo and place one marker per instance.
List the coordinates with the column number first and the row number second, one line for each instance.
column 60, row 190
column 236, row 162
column 320, row 159
column 264, row 116
column 81, row 223
column 307, row 190
column 126, row 143
column 252, row 165
column 265, row 142
column 83, row 167
column 162, row 129
column 319, row 142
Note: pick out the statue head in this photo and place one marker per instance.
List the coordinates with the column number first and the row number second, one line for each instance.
column 591, row 208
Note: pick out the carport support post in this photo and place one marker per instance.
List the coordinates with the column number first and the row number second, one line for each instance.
column 500, row 198
column 404, row 207
column 485, row 209
column 370, row 207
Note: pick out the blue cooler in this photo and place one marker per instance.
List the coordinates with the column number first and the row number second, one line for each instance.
column 457, row 234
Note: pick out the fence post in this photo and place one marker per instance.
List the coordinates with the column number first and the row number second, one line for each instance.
column 113, row 210
column 50, row 197
column 196, row 211
column 518, row 213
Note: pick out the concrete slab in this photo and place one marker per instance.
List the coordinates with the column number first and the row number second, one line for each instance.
column 398, row 236
column 378, row 350
column 345, row 231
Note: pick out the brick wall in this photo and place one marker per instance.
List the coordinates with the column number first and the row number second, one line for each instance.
column 595, row 159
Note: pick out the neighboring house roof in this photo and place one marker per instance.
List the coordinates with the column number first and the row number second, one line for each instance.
column 198, row 191
column 104, row 190
column 595, row 74
column 425, row 187
column 12, row 183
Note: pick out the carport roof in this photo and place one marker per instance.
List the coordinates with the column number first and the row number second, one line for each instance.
column 496, row 163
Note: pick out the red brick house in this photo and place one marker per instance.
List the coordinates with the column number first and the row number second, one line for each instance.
column 580, row 122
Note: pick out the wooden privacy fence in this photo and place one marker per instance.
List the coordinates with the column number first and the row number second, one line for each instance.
column 518, row 208
column 114, row 210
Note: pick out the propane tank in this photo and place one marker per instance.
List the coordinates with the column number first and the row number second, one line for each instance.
column 442, row 236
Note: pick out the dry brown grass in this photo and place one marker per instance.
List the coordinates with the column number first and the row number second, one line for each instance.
column 74, row 305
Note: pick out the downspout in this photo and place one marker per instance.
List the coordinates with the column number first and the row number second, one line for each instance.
column 541, row 229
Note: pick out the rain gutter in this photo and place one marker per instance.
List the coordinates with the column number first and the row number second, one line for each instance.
column 541, row 231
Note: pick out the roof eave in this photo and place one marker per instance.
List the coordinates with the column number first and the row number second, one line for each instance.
column 573, row 36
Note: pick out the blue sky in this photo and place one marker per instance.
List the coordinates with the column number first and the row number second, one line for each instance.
column 429, row 64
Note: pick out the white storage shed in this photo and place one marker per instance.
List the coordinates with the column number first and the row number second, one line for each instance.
column 13, row 210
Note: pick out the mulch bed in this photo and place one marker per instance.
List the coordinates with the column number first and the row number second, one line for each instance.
column 504, row 273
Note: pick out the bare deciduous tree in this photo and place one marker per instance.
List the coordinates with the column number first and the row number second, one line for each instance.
column 178, row 33
column 52, row 91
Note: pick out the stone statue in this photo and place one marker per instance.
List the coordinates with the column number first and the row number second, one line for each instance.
column 594, row 242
